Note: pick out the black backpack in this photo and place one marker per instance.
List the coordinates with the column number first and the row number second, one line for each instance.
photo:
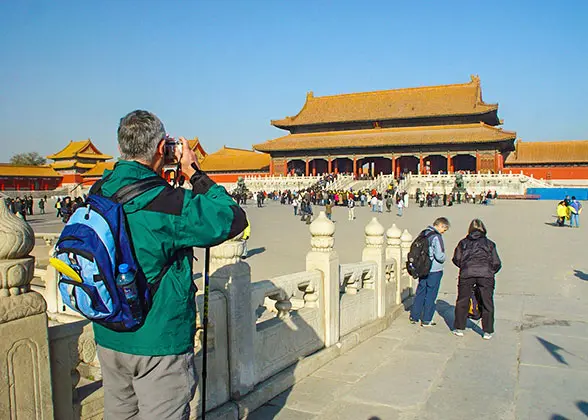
column 418, row 263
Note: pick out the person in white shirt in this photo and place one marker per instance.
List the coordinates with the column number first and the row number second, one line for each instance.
column 351, row 208
column 400, row 206
column 374, row 203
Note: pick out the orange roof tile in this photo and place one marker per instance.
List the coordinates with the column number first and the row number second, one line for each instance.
column 196, row 146
column 229, row 159
column 71, row 164
column 538, row 152
column 400, row 136
column 43, row 171
column 427, row 101
column 98, row 169
column 79, row 149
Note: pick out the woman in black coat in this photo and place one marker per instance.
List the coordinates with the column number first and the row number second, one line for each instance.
column 478, row 262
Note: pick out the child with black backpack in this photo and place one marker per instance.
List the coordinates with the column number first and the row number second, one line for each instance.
column 425, row 262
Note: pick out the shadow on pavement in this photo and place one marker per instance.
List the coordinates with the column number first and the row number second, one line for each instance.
column 581, row 275
column 553, row 349
column 447, row 312
column 255, row 251
column 583, row 407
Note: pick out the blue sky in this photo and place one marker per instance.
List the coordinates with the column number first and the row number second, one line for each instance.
column 220, row 70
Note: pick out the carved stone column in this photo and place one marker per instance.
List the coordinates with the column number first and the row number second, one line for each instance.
column 393, row 251
column 25, row 376
column 407, row 287
column 323, row 257
column 375, row 251
column 231, row 275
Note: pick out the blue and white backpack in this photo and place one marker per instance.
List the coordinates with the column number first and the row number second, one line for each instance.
column 93, row 243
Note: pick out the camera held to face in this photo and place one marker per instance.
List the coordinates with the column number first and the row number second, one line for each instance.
column 169, row 150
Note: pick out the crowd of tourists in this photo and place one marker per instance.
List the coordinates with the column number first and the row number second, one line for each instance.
column 25, row 206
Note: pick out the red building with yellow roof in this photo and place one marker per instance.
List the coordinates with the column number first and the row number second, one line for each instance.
column 229, row 163
column 28, row 178
column 443, row 128
column 75, row 159
column 550, row 159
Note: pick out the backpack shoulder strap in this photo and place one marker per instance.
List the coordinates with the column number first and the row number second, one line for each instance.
column 132, row 191
column 97, row 187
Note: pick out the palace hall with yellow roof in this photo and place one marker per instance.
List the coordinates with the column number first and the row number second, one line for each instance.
column 430, row 129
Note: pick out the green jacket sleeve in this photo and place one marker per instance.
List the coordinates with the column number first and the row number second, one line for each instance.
column 209, row 215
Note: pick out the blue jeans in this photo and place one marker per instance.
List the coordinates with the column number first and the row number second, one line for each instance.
column 423, row 307
column 374, row 208
column 574, row 219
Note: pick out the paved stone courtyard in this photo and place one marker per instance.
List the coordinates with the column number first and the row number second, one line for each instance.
column 536, row 366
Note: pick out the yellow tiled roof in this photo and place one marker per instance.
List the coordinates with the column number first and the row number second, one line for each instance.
column 537, row 152
column 98, row 169
column 71, row 165
column 43, row 171
column 196, row 146
column 427, row 101
column 400, row 136
column 231, row 159
column 81, row 149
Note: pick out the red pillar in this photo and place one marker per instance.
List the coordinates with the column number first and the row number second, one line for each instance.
column 449, row 164
column 306, row 169
column 354, row 165
column 271, row 168
column 336, row 167
column 421, row 164
column 330, row 165
column 477, row 162
column 394, row 166
column 500, row 161
column 314, row 168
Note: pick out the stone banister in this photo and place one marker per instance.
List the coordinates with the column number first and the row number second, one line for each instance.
column 323, row 257
column 394, row 253
column 25, row 375
column 232, row 276
column 375, row 251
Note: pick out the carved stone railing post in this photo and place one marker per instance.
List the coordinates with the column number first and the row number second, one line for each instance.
column 25, row 376
column 393, row 252
column 406, row 242
column 324, row 258
column 232, row 277
column 375, row 251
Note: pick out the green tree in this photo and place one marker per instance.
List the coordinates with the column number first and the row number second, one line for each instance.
column 31, row 158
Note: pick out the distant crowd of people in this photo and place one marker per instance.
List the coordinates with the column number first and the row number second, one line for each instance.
column 25, row 205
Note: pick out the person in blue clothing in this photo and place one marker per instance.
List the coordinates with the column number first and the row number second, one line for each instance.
column 423, row 307
column 575, row 213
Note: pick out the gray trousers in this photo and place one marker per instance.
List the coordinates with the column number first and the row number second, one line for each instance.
column 147, row 387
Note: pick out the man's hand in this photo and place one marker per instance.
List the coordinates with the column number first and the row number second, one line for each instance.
column 187, row 158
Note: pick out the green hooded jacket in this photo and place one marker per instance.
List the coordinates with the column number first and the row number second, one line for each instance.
column 163, row 221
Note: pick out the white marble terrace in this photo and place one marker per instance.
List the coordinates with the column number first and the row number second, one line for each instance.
column 264, row 336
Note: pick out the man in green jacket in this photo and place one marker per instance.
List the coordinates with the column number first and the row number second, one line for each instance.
column 150, row 373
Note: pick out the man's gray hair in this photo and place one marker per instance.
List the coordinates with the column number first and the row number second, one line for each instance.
column 139, row 134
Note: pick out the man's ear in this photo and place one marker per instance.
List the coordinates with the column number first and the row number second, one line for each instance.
column 160, row 147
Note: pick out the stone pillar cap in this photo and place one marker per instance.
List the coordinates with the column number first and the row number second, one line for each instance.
column 394, row 232
column 406, row 236
column 17, row 238
column 322, row 226
column 374, row 228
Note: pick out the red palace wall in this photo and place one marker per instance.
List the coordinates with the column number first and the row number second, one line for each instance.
column 29, row 184
column 552, row 172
